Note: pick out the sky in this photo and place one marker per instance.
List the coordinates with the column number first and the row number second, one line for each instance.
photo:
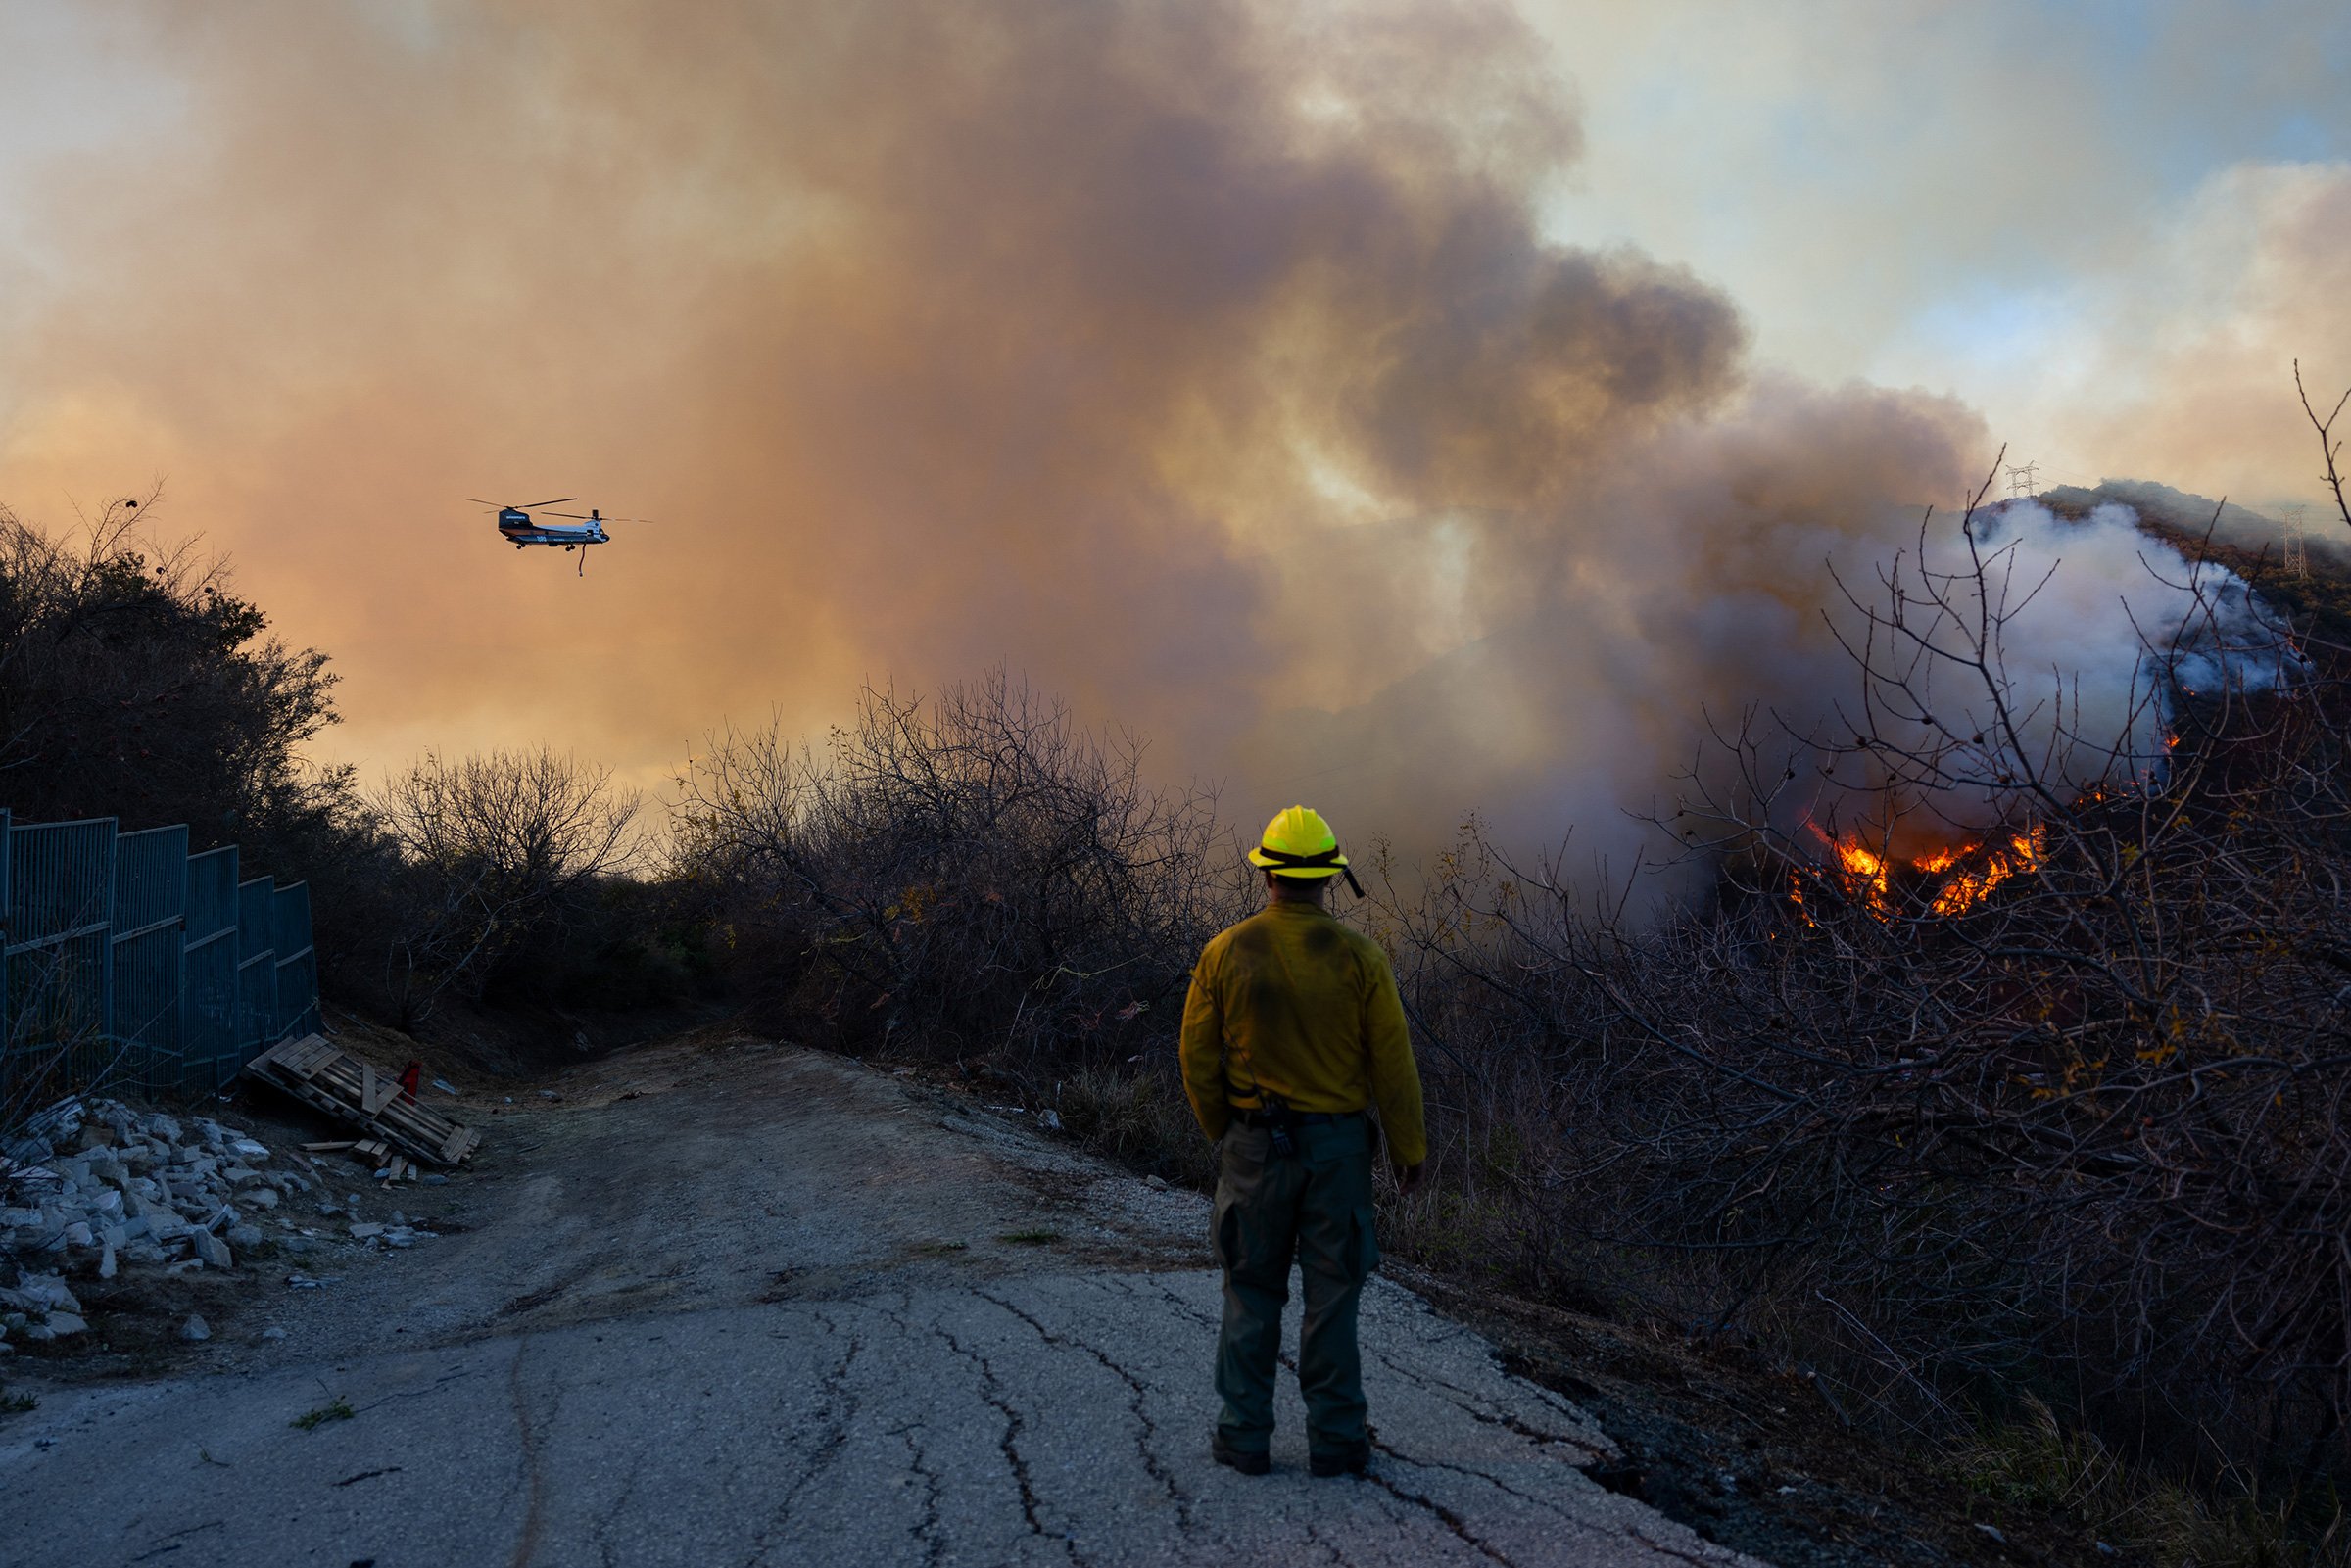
column 1431, row 406
column 2063, row 214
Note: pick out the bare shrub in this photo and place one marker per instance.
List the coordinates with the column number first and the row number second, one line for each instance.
column 134, row 683
column 498, row 848
column 2040, row 1461
column 1139, row 1117
column 960, row 877
column 2058, row 1114
column 2331, row 445
column 53, row 1045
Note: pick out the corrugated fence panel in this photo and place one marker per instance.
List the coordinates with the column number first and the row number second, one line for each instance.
column 297, row 963
column 257, row 968
column 126, row 958
column 151, row 879
column 151, row 891
column 60, row 890
column 208, row 1009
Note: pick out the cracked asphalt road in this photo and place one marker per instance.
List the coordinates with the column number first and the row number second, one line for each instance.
column 778, row 1309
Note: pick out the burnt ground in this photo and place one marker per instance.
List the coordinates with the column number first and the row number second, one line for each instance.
column 1758, row 1459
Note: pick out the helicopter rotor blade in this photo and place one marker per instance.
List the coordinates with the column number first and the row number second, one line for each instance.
column 558, row 502
column 576, row 516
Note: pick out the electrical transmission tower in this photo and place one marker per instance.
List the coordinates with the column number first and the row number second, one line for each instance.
column 2025, row 481
column 2297, row 543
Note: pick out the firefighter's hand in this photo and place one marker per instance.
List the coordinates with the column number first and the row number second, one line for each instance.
column 1408, row 1178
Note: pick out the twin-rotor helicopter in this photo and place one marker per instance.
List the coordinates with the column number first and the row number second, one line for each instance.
column 515, row 523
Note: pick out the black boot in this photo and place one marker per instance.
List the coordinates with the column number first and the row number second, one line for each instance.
column 1352, row 1460
column 1248, row 1462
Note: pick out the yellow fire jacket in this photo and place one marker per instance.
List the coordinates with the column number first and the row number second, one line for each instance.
column 1294, row 1003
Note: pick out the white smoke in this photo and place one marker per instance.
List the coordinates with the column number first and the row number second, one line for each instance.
column 2032, row 648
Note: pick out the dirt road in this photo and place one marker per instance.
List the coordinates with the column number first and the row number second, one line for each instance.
column 775, row 1308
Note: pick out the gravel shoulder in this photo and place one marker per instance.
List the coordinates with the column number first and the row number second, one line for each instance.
column 728, row 1301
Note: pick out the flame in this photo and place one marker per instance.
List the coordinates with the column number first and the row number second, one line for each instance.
column 1968, row 888
column 1967, row 873
column 1865, row 873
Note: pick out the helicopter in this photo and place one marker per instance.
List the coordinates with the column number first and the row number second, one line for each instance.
column 514, row 523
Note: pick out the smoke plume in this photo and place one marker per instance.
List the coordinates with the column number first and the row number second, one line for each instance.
column 1204, row 360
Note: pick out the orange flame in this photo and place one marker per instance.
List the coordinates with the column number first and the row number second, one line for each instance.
column 1968, row 872
column 1865, row 873
column 1970, row 887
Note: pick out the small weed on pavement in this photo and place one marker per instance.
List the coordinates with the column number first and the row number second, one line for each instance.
column 311, row 1420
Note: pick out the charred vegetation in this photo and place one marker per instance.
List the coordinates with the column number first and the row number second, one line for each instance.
column 1996, row 1088
column 2001, row 1081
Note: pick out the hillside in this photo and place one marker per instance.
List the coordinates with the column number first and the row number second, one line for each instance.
column 2248, row 542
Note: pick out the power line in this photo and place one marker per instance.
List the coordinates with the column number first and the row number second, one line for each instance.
column 2025, row 481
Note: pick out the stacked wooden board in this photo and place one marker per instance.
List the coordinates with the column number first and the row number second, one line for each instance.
column 374, row 1153
column 321, row 1074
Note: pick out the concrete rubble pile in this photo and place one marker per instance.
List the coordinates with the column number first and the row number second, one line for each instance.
column 93, row 1187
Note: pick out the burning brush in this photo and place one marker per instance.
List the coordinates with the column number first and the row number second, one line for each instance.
column 1948, row 881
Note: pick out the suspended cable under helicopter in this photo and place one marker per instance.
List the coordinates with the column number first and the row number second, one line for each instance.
column 517, row 526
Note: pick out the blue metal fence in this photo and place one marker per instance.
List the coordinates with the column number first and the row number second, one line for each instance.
column 257, row 964
column 207, row 1011
column 297, row 962
column 124, row 958
column 150, row 890
column 61, row 888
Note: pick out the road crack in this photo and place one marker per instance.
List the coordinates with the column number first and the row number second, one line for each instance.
column 172, row 1542
column 530, row 1300
column 925, row 1529
column 991, row 1390
column 367, row 1475
column 599, row 1532
column 432, row 1388
column 1145, row 1428
column 1674, row 1552
column 1205, row 1319
column 1444, row 1515
column 840, row 1408
column 534, row 1512
column 1480, row 1410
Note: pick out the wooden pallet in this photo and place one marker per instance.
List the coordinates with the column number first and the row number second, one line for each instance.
column 321, row 1074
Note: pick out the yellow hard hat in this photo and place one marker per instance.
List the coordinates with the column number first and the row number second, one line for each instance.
column 1299, row 843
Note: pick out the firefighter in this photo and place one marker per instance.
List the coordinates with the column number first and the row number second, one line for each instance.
column 1292, row 1030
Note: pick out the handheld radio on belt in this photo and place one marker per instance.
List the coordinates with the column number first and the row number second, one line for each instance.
column 1278, row 1121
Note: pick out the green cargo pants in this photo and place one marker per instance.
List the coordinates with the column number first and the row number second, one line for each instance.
column 1314, row 1206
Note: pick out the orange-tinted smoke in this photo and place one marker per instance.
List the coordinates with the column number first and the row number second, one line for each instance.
column 1204, row 361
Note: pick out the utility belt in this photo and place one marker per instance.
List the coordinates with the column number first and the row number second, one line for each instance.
column 1293, row 1119
column 1282, row 1122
